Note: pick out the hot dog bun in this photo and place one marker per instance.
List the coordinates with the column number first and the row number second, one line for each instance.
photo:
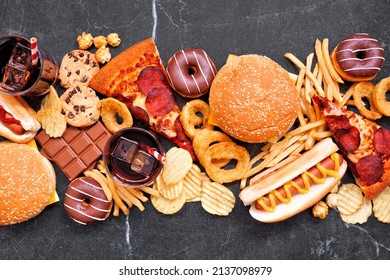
column 299, row 202
column 21, row 111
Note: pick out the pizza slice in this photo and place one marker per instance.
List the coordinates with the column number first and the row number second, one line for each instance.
column 137, row 78
column 364, row 143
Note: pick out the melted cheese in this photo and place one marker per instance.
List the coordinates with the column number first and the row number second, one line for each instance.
column 273, row 195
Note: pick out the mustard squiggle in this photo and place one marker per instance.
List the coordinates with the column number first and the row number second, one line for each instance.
column 272, row 196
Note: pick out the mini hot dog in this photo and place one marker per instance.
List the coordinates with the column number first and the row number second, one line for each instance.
column 296, row 186
column 18, row 121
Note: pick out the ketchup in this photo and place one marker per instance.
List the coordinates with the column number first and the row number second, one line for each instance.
column 10, row 122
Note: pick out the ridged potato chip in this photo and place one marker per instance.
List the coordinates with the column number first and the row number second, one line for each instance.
column 216, row 199
column 168, row 206
column 52, row 121
column 193, row 183
column 178, row 163
column 350, row 199
column 361, row 215
column 169, row 191
column 51, row 101
column 382, row 206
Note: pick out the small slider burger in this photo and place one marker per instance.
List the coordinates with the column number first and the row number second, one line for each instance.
column 296, row 186
column 253, row 99
column 18, row 121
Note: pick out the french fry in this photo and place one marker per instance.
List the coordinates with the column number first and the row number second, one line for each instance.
column 305, row 127
column 284, row 154
column 300, row 79
column 321, row 135
column 328, row 62
column 116, row 210
column 138, row 194
column 125, row 197
column 347, row 95
column 101, row 179
column 115, row 196
column 125, row 193
column 150, row 191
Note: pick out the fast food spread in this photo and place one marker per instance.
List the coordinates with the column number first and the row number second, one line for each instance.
column 103, row 132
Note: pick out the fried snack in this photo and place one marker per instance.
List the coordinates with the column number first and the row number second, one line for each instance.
column 169, row 191
column 178, row 163
column 192, row 183
column 320, row 210
column 350, row 199
column 167, row 206
column 51, row 101
column 112, row 107
column 100, row 41
column 226, row 150
column 52, row 121
column 365, row 90
column 204, row 138
column 382, row 206
column 361, row 215
column 190, row 120
column 102, row 180
column 379, row 96
column 217, row 199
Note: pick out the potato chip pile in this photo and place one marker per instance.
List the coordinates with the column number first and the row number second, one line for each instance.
column 354, row 208
column 182, row 181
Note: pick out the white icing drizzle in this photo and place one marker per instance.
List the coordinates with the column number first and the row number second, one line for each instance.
column 77, row 221
column 185, row 57
column 359, row 39
column 182, row 76
column 91, row 185
column 208, row 61
column 81, row 200
column 83, row 213
column 360, row 68
column 200, row 68
column 362, row 59
column 97, row 198
column 360, row 50
column 196, row 83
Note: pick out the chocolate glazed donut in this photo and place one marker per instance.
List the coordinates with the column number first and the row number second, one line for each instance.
column 358, row 57
column 190, row 72
column 85, row 201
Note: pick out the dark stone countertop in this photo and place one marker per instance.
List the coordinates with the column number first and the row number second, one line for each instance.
column 271, row 28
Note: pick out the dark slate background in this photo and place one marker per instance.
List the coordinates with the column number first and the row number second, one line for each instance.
column 271, row 28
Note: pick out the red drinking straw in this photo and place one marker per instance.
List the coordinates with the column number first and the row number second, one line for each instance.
column 154, row 153
column 34, row 51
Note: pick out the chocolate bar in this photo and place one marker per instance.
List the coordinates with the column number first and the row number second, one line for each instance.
column 77, row 150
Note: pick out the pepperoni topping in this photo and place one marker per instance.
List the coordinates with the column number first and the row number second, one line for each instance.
column 370, row 169
column 182, row 140
column 149, row 78
column 336, row 123
column 360, row 55
column 348, row 139
column 139, row 113
column 159, row 102
column 382, row 141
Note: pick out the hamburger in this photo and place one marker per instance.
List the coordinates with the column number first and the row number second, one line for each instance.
column 27, row 182
column 253, row 99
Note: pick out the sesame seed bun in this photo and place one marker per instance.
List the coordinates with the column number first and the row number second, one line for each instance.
column 253, row 99
column 27, row 182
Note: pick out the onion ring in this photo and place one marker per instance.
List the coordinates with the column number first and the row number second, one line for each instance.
column 365, row 90
column 226, row 150
column 191, row 122
column 379, row 96
column 109, row 111
column 204, row 139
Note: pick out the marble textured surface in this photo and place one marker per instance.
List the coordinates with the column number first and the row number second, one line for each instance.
column 271, row 28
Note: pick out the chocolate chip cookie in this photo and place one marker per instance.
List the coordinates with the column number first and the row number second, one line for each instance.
column 81, row 106
column 77, row 67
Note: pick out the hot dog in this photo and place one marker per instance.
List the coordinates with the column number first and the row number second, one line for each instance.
column 18, row 121
column 296, row 186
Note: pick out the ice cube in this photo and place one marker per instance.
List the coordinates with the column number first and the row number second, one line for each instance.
column 143, row 163
column 15, row 77
column 125, row 150
column 21, row 55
